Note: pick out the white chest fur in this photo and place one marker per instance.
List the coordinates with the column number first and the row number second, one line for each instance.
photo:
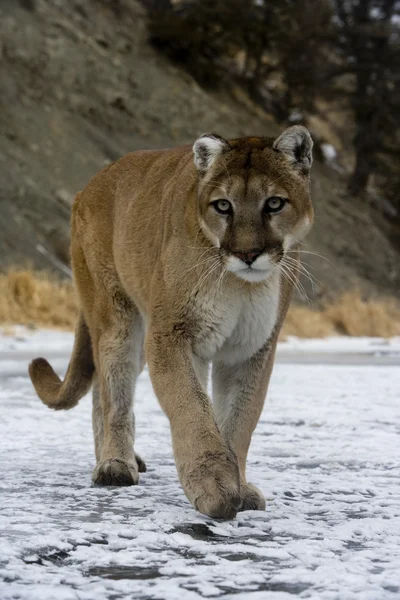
column 237, row 326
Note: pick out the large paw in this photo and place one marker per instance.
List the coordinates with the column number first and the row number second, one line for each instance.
column 213, row 486
column 115, row 471
column 252, row 498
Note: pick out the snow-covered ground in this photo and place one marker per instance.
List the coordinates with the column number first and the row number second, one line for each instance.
column 326, row 454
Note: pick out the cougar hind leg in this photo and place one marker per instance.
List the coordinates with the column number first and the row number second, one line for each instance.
column 118, row 344
column 98, row 428
column 117, row 335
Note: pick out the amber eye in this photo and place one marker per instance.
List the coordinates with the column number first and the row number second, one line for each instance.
column 224, row 207
column 274, row 204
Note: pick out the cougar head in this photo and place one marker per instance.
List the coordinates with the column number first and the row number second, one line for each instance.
column 254, row 200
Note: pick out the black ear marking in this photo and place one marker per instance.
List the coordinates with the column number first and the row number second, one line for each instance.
column 296, row 143
column 207, row 149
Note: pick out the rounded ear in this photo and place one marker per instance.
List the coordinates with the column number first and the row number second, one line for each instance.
column 296, row 142
column 207, row 149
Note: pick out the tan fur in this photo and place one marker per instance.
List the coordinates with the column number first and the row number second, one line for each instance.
column 160, row 277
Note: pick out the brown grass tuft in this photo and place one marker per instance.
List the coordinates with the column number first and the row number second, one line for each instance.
column 36, row 299
column 355, row 316
column 305, row 322
column 40, row 300
column 349, row 315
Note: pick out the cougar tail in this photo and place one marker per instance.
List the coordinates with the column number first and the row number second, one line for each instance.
column 62, row 395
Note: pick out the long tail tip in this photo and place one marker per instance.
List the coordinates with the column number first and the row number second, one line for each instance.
column 46, row 383
column 40, row 369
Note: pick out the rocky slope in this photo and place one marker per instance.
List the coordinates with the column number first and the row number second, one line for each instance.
column 80, row 86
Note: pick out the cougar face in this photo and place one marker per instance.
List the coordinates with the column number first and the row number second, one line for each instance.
column 254, row 202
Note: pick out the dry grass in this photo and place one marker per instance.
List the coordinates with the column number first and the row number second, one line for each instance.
column 306, row 323
column 38, row 300
column 350, row 314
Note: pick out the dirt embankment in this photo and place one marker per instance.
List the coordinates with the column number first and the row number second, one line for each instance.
column 81, row 86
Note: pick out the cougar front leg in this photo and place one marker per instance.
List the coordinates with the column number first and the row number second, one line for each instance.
column 206, row 465
column 118, row 354
column 239, row 392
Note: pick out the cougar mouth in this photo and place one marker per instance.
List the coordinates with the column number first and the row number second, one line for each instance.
column 253, row 275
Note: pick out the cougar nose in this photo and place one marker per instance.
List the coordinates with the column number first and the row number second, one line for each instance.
column 248, row 257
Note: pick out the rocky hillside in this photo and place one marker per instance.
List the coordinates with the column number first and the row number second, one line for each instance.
column 80, row 86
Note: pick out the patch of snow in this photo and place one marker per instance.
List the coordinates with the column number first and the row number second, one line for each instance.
column 18, row 338
column 328, row 152
column 21, row 339
column 295, row 116
column 341, row 345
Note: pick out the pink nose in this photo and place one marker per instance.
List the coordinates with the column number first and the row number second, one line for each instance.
column 247, row 257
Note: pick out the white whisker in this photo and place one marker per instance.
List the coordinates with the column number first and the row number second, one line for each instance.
column 291, row 262
column 206, row 275
column 309, row 252
column 201, row 263
column 285, row 269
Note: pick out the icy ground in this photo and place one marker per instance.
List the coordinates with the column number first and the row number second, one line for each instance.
column 326, row 454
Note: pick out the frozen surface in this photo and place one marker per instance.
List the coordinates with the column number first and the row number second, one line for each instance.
column 325, row 453
column 20, row 344
column 20, row 339
column 343, row 345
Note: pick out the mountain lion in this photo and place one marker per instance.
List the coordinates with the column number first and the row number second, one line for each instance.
column 184, row 258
